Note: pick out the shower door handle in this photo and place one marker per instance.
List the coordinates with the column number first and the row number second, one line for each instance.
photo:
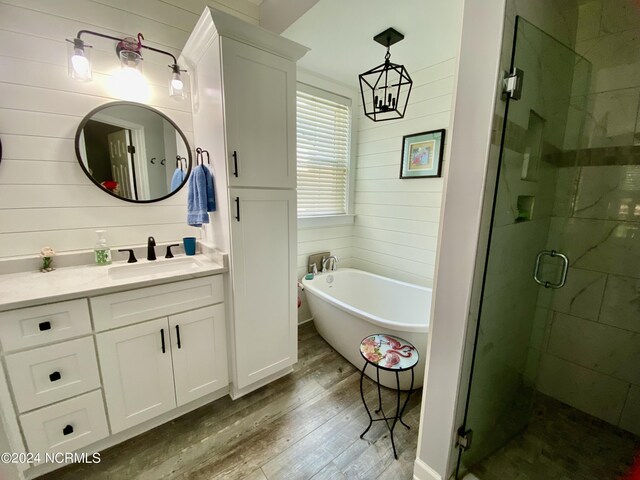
column 565, row 269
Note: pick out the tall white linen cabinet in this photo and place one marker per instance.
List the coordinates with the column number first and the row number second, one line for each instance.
column 243, row 84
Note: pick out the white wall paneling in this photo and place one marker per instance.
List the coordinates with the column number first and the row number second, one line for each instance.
column 396, row 221
column 45, row 199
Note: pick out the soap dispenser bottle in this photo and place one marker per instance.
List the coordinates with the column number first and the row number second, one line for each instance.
column 102, row 250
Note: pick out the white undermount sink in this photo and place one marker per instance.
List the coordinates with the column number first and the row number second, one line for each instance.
column 146, row 268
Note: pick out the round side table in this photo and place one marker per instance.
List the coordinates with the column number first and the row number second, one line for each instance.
column 393, row 354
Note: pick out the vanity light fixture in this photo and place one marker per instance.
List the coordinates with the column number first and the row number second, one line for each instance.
column 385, row 89
column 129, row 52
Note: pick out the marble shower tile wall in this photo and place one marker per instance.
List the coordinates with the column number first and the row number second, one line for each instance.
column 590, row 348
column 586, row 337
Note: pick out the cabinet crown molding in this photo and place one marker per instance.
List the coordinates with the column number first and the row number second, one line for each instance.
column 213, row 23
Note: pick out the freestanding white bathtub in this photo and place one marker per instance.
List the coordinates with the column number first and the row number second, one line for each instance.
column 347, row 305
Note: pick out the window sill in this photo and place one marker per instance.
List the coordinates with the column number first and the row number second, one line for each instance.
column 325, row 221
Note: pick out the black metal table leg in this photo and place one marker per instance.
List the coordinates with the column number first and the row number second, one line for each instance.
column 363, row 400
column 395, row 418
column 406, row 401
column 379, row 394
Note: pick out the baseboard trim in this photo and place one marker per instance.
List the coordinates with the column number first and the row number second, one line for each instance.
column 236, row 393
column 310, row 319
column 422, row 471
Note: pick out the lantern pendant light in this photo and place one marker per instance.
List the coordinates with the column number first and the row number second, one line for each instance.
column 385, row 89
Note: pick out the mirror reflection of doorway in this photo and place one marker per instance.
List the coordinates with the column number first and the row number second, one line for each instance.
column 111, row 157
column 122, row 169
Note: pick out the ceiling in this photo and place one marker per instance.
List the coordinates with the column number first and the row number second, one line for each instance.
column 340, row 35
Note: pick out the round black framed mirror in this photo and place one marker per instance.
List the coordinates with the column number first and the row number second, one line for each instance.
column 133, row 152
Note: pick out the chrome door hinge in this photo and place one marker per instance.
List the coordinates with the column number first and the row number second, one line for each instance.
column 463, row 440
column 512, row 84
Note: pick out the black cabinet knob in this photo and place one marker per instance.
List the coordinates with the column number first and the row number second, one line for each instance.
column 44, row 326
column 68, row 430
column 55, row 376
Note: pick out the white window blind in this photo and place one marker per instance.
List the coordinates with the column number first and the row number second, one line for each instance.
column 323, row 135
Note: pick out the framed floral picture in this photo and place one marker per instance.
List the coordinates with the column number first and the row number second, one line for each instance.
column 422, row 154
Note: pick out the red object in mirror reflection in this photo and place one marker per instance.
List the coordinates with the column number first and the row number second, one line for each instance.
column 110, row 185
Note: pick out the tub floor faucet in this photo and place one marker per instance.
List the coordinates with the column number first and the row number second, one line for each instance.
column 333, row 265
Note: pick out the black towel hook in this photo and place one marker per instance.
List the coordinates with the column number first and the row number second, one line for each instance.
column 179, row 162
column 200, row 156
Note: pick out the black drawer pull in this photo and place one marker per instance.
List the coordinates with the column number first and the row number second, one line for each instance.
column 164, row 350
column 44, row 326
column 68, row 430
column 238, row 209
column 55, row 376
column 178, row 335
column 235, row 164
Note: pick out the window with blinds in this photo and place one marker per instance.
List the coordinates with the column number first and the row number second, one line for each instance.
column 323, row 135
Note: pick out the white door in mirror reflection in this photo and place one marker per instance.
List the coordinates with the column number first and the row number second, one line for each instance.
column 119, row 156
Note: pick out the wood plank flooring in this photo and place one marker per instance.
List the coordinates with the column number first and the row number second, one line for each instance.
column 303, row 426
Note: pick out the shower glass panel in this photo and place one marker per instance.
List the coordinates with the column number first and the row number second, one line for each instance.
column 538, row 128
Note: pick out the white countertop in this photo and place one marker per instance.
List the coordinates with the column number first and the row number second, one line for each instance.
column 26, row 289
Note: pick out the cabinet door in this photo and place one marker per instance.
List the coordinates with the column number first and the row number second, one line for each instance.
column 263, row 255
column 199, row 350
column 137, row 374
column 260, row 116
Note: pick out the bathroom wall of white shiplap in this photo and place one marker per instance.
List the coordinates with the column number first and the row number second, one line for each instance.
column 45, row 199
column 396, row 222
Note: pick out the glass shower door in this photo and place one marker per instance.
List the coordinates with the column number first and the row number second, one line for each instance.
column 540, row 125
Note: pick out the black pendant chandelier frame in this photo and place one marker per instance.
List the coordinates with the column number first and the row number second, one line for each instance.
column 383, row 101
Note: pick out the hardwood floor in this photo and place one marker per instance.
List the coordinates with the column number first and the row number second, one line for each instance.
column 306, row 425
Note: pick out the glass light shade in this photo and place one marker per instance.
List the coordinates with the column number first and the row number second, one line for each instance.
column 130, row 59
column 177, row 86
column 79, row 61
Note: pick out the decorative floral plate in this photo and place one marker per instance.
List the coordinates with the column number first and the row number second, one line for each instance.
column 389, row 352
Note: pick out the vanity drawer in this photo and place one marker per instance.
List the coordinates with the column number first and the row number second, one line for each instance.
column 34, row 326
column 49, row 374
column 66, row 426
column 124, row 308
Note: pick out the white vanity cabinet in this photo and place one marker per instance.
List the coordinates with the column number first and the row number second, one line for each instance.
column 88, row 373
column 152, row 367
column 52, row 370
column 244, row 104
column 199, row 352
column 137, row 373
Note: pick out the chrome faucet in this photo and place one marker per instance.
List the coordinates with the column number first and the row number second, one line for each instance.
column 151, row 251
column 333, row 265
